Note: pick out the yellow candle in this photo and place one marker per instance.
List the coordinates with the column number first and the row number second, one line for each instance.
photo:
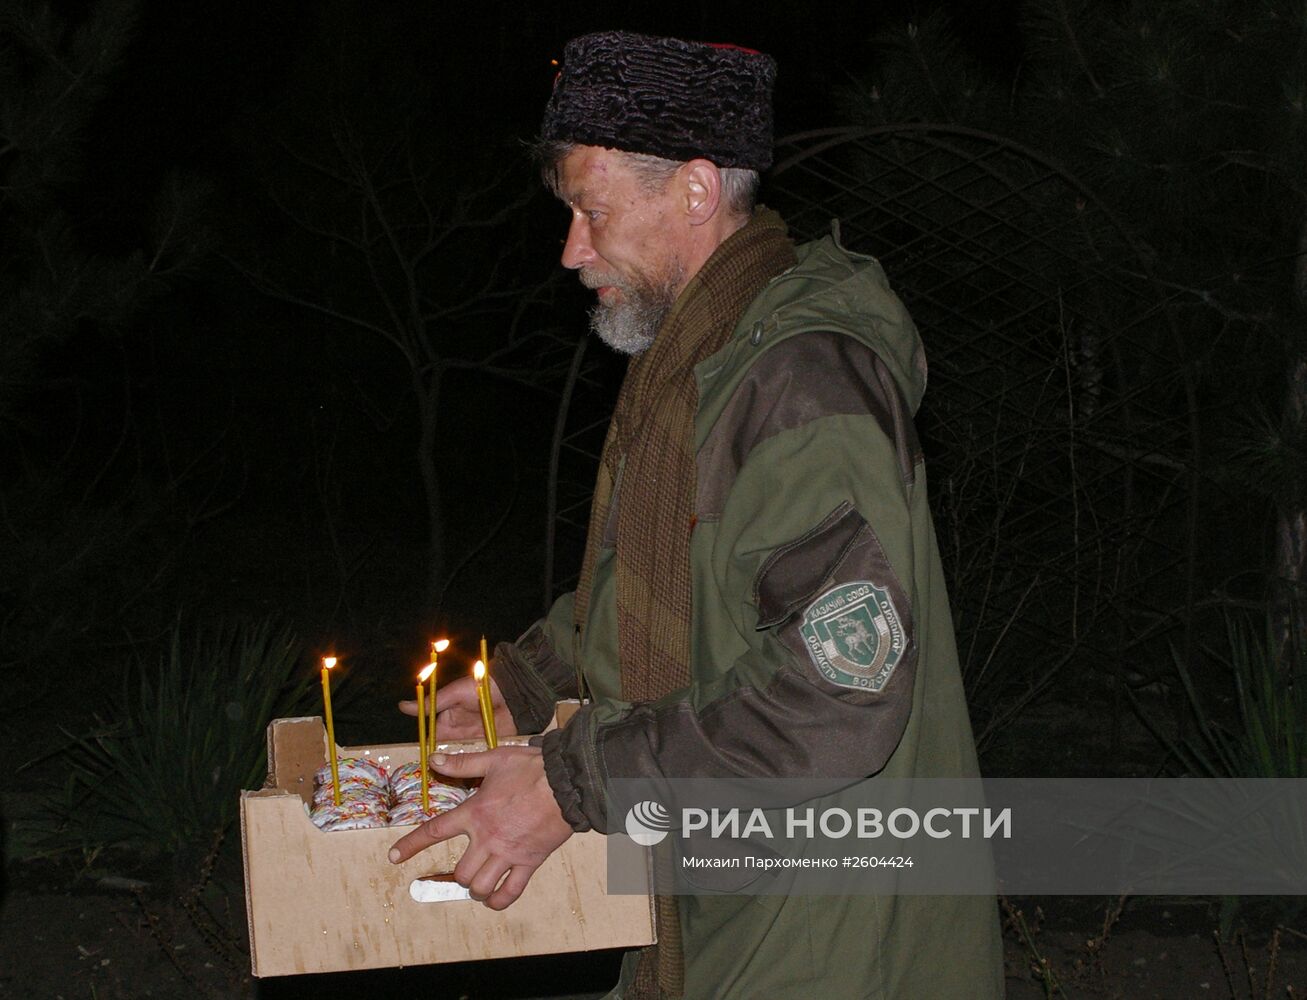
column 488, row 711
column 327, row 663
column 422, row 738
column 483, row 698
column 438, row 646
column 490, row 706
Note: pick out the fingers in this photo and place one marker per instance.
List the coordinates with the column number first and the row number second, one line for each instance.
column 433, row 831
column 482, row 884
column 470, row 864
column 504, row 723
column 458, row 698
column 462, row 765
column 483, row 875
column 511, row 888
column 459, row 723
column 458, row 715
column 461, row 691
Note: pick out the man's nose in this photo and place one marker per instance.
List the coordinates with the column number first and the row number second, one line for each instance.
column 577, row 251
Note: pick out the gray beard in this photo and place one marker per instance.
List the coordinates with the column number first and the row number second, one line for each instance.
column 629, row 327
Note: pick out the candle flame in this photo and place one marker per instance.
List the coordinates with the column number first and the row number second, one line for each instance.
column 328, row 662
column 426, row 672
column 478, row 670
column 439, row 645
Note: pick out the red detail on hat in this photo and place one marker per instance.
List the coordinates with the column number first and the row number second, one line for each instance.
column 737, row 48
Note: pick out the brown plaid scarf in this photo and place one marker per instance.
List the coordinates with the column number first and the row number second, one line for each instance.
column 651, row 440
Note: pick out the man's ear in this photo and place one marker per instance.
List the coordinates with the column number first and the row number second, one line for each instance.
column 702, row 187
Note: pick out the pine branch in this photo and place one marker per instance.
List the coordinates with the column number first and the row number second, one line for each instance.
column 1064, row 19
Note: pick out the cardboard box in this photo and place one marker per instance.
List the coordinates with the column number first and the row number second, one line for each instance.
column 328, row 902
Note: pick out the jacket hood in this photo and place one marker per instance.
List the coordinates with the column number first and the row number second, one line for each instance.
column 831, row 288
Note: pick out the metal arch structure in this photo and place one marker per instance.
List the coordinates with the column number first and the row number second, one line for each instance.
column 1060, row 422
column 1060, row 426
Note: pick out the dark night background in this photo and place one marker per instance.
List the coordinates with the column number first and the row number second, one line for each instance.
column 214, row 409
column 214, row 413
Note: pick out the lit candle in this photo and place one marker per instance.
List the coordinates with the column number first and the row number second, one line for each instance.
column 485, row 657
column 438, row 646
column 422, row 738
column 327, row 663
column 483, row 697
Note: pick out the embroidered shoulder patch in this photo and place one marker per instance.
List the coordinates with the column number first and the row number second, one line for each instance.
column 854, row 635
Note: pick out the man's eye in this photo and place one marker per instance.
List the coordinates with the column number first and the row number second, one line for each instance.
column 593, row 216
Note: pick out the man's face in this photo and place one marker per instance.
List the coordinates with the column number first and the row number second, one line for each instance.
column 625, row 241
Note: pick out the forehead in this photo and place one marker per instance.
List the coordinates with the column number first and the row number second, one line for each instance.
column 593, row 171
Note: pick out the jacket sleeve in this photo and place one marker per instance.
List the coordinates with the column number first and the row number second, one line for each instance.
column 536, row 671
column 807, row 481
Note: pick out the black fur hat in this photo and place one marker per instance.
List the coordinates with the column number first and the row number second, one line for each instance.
column 663, row 96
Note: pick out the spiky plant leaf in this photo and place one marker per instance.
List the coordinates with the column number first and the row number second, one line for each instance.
column 165, row 770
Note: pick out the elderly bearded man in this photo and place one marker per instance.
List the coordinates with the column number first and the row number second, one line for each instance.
column 761, row 460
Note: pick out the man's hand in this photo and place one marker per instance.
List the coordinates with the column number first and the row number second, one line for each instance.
column 458, row 715
column 512, row 823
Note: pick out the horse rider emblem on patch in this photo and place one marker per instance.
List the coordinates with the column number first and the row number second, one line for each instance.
column 854, row 635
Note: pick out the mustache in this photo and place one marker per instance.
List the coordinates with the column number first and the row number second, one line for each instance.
column 592, row 279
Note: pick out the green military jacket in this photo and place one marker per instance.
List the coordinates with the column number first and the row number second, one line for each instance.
column 810, row 485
